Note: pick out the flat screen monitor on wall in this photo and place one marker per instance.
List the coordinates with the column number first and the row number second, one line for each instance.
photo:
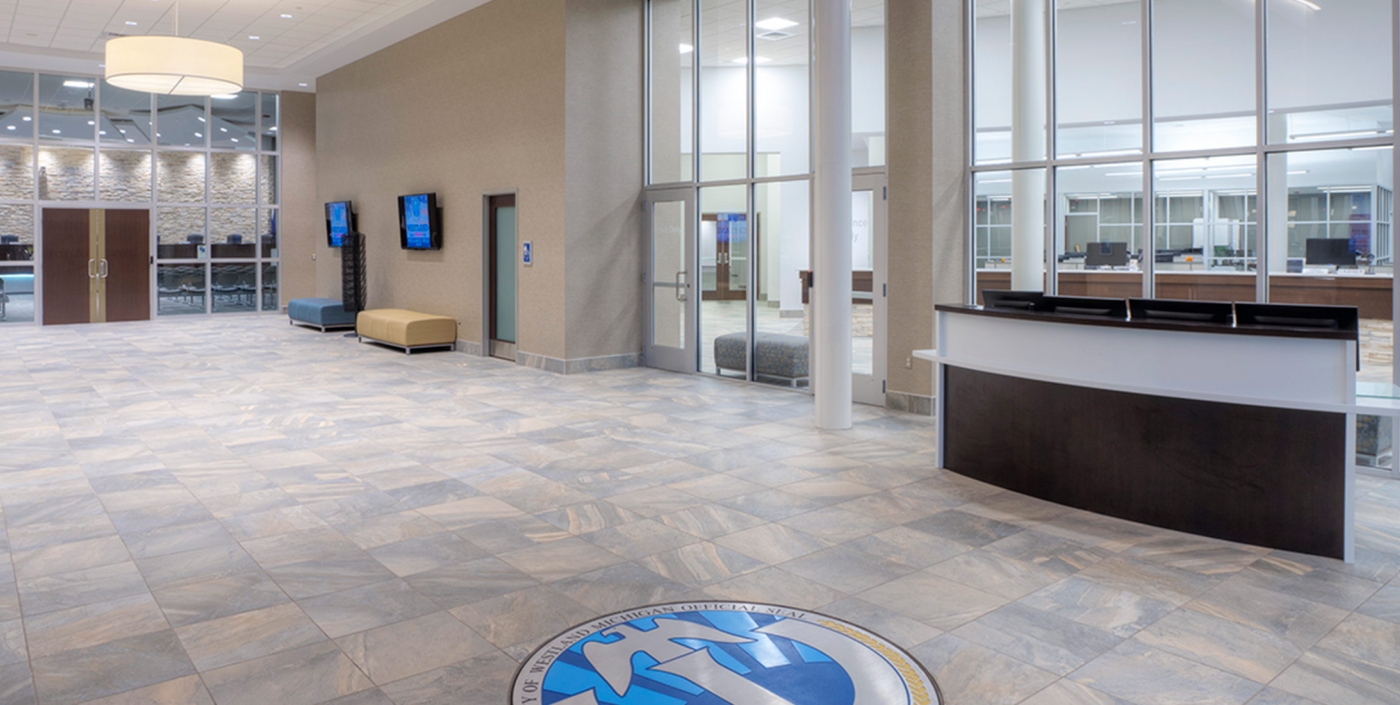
column 1325, row 251
column 419, row 226
column 340, row 220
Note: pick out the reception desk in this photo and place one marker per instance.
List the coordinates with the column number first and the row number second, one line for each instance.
column 1243, row 433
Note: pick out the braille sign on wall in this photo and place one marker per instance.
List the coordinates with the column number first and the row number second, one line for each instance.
column 527, row 253
column 689, row 653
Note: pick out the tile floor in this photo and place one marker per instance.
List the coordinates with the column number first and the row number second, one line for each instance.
column 234, row 511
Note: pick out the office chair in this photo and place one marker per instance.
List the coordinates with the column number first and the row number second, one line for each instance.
column 9, row 239
column 194, row 239
column 235, row 239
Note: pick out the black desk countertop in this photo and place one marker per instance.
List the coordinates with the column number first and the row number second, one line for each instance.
column 1181, row 326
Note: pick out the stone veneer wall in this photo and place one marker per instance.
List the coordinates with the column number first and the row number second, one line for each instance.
column 174, row 224
column 267, row 180
column 180, row 177
column 18, row 220
column 16, row 171
column 233, row 178
column 124, row 176
column 65, row 174
column 224, row 221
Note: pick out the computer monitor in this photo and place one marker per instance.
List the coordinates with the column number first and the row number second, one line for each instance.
column 1343, row 318
column 1106, row 254
column 1017, row 300
column 1085, row 306
column 1330, row 251
column 1218, row 312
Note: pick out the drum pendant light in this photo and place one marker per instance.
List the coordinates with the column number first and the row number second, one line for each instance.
column 174, row 65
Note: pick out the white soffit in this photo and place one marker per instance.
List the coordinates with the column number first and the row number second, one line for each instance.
column 318, row 37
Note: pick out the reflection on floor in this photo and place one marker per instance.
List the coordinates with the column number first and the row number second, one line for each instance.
column 19, row 309
column 237, row 508
column 718, row 318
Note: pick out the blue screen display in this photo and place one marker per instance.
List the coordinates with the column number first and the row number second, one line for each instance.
column 417, row 226
column 339, row 216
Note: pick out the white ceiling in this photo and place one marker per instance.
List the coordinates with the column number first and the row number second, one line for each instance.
column 320, row 35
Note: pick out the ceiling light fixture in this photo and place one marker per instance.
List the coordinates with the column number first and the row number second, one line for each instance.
column 75, row 83
column 1311, row 6
column 173, row 65
column 685, row 49
column 773, row 24
column 286, row 16
column 254, row 37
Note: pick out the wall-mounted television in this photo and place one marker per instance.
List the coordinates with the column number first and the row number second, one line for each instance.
column 420, row 228
column 340, row 220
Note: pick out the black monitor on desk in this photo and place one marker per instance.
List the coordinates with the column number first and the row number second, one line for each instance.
column 1297, row 316
column 1085, row 306
column 1106, row 254
column 1330, row 251
column 1218, row 312
column 1016, row 300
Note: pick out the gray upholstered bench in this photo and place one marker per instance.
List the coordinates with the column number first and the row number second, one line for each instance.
column 776, row 355
column 320, row 313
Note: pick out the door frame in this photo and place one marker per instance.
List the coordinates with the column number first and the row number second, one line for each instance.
column 870, row 389
column 687, row 358
column 487, row 288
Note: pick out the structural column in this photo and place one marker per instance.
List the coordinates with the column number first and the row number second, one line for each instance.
column 1028, row 108
column 831, row 249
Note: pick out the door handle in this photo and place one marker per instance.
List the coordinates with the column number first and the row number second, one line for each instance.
column 681, row 285
column 92, row 271
column 102, row 269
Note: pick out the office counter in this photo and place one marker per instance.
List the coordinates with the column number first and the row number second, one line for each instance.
column 1370, row 294
column 1240, row 433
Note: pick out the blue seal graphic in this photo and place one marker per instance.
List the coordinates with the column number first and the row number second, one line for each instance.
column 721, row 653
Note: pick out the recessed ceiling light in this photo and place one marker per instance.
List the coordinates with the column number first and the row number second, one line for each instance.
column 131, row 140
column 58, row 132
column 303, row 85
column 9, row 127
column 101, row 132
column 225, row 96
column 235, row 139
column 91, row 122
column 199, row 118
column 286, row 16
column 75, row 83
column 773, row 24
column 686, row 48
column 254, row 37
column 129, row 23
column 26, row 118
column 121, row 130
column 199, row 135
column 223, row 129
column 272, row 129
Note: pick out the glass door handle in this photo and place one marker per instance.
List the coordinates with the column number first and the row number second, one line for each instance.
column 102, row 269
column 92, row 270
column 681, row 285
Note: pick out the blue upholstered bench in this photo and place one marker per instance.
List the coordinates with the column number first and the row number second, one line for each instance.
column 775, row 355
column 320, row 313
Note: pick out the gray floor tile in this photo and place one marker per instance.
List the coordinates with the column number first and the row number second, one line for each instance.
column 413, row 646
column 305, row 676
column 110, row 668
column 350, row 611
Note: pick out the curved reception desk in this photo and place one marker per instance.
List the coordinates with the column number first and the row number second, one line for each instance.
column 1237, row 426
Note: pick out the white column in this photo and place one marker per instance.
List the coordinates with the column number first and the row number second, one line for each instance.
column 1028, row 144
column 831, row 250
column 1276, row 169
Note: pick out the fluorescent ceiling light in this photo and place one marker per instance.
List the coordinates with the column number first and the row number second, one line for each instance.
column 1124, row 173
column 26, row 118
column 1336, row 135
column 1370, row 149
column 129, row 23
column 685, row 49
column 224, row 96
column 73, row 83
column 773, row 24
column 286, row 16
column 995, row 181
column 1309, row 5
column 1298, row 173
column 254, row 37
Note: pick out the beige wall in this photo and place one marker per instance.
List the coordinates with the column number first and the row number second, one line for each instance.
column 603, row 171
column 474, row 105
column 302, row 224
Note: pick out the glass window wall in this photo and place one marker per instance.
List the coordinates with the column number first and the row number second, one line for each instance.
column 67, row 108
column 867, row 83
column 672, row 94
column 16, row 105
column 1098, row 231
column 724, row 89
column 1098, row 79
column 1203, row 74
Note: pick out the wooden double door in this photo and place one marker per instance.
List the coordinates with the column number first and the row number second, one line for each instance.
column 97, row 265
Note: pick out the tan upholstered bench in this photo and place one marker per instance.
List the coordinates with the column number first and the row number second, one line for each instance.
column 408, row 330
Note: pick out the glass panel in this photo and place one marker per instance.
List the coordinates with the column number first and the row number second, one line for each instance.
column 781, row 235
column 233, row 232
column 269, row 181
column 1329, row 70
column 16, row 171
column 233, row 178
column 180, row 177
column 67, row 108
column 724, row 97
column 505, row 274
column 65, row 174
column 180, row 121
column 180, row 233
column 267, row 231
column 16, row 293
column 234, row 288
column 994, row 247
column 781, row 106
column 672, row 96
column 17, row 104
column 668, row 268
column 1098, row 230
column 862, row 263
column 1098, row 78
column 234, row 121
column 180, row 289
column 16, row 233
column 1206, row 225
column 724, row 279
column 270, row 121
column 270, row 300
column 999, row 64
column 124, row 176
column 126, row 116
column 1202, row 74
column 867, row 82
column 1323, row 246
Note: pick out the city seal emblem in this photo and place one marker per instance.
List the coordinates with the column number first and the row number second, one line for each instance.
column 721, row 653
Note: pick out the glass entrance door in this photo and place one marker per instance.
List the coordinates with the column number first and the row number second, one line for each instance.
column 671, row 297
column 868, row 289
